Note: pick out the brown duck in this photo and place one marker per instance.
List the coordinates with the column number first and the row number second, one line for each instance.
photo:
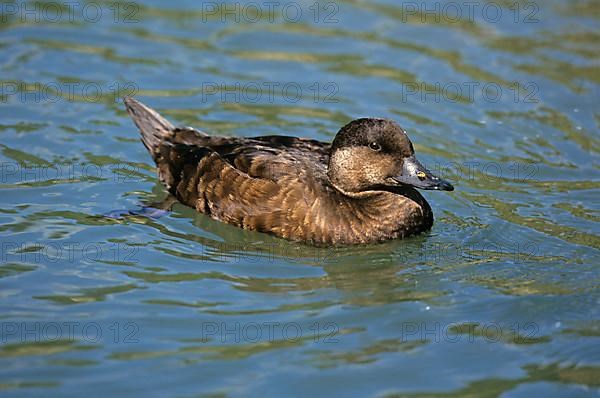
column 358, row 189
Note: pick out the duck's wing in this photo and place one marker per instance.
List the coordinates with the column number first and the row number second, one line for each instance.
column 251, row 182
column 223, row 145
column 274, row 157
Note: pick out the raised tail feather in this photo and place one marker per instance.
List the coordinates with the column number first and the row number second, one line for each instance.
column 154, row 128
column 169, row 145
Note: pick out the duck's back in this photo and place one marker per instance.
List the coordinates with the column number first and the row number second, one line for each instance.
column 247, row 182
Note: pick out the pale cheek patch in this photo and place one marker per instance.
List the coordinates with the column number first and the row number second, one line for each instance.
column 361, row 165
column 374, row 172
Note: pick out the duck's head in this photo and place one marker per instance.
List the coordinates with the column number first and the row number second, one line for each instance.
column 376, row 154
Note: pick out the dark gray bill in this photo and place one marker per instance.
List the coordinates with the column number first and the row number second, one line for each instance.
column 415, row 174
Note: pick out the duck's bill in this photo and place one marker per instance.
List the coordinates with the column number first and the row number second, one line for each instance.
column 416, row 175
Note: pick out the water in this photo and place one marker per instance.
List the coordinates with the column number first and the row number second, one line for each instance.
column 500, row 298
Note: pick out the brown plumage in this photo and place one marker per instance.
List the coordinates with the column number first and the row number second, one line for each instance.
column 359, row 189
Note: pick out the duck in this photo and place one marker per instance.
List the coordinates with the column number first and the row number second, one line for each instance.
column 359, row 189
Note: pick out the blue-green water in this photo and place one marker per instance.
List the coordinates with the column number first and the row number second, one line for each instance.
column 499, row 299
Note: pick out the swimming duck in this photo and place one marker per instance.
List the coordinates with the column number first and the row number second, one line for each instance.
column 358, row 189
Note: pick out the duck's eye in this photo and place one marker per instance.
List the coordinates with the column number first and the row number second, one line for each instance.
column 375, row 146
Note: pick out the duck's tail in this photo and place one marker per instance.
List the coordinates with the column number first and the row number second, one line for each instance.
column 171, row 147
column 154, row 128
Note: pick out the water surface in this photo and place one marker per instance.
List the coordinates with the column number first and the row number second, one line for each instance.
column 500, row 298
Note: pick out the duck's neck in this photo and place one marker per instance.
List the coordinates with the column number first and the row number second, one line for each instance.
column 379, row 215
